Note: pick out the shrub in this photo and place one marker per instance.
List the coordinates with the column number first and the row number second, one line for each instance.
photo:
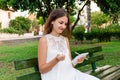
column 115, row 30
column 102, row 34
column 89, row 36
column 78, row 33
column 20, row 24
column 10, row 30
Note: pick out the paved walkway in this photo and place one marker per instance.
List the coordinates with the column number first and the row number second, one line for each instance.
column 21, row 39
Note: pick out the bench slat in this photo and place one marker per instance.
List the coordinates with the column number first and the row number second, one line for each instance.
column 22, row 64
column 108, row 72
column 91, row 60
column 113, row 76
column 98, row 70
column 32, row 76
column 90, row 50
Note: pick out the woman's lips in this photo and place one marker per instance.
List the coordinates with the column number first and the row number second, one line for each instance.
column 61, row 29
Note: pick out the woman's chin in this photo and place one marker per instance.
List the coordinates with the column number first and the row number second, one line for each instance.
column 60, row 32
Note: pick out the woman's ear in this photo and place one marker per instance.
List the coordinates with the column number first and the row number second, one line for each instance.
column 52, row 22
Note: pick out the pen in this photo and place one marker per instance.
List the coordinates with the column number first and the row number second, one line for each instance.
column 77, row 53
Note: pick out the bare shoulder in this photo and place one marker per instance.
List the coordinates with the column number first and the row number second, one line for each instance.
column 43, row 39
column 67, row 39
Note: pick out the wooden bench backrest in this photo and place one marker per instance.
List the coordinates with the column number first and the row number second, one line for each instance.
column 28, row 63
column 23, row 64
column 90, row 50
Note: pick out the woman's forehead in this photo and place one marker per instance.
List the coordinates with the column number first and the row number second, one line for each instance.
column 64, row 19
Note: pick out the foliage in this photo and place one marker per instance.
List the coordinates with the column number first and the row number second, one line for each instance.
column 99, row 18
column 41, row 21
column 114, row 29
column 0, row 25
column 20, row 24
column 72, row 19
column 3, row 4
column 10, row 30
column 89, row 36
column 101, row 34
column 111, row 7
column 78, row 33
column 42, row 7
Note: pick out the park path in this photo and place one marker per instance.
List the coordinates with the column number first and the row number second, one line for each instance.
column 17, row 40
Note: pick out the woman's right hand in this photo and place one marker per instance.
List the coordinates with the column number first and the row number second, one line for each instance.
column 80, row 60
column 60, row 57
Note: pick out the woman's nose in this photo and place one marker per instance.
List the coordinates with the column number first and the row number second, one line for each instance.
column 64, row 26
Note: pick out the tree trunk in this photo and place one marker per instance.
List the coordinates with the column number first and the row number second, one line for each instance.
column 88, row 16
column 115, row 18
column 78, row 18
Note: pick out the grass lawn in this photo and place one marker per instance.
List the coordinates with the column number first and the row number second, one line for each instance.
column 11, row 52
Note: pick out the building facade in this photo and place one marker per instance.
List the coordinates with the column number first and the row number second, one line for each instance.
column 6, row 16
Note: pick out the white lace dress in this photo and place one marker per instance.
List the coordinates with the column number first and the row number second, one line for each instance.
column 63, row 70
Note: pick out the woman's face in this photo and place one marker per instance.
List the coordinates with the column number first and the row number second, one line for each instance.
column 60, row 24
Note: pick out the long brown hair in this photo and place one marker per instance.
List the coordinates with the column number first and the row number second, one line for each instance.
column 55, row 14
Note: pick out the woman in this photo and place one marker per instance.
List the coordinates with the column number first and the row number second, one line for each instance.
column 54, row 55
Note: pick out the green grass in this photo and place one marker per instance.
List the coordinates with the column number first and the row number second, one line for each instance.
column 11, row 52
column 8, row 53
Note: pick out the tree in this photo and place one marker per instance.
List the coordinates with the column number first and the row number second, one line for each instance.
column 111, row 7
column 99, row 18
column 3, row 4
column 44, row 7
column 79, row 12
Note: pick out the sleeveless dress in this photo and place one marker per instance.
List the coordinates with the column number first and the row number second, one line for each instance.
column 63, row 70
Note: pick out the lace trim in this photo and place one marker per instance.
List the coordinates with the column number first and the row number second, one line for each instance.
column 57, row 43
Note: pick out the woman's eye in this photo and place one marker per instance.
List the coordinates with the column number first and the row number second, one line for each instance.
column 61, row 22
column 66, row 24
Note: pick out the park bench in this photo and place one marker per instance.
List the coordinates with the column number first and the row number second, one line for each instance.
column 106, row 72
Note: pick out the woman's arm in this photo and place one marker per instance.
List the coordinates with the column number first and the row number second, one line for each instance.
column 42, row 53
column 80, row 60
column 68, row 48
column 68, row 45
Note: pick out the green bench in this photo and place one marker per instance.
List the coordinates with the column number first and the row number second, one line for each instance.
column 106, row 72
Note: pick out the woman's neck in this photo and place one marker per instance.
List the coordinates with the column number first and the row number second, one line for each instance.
column 55, row 34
